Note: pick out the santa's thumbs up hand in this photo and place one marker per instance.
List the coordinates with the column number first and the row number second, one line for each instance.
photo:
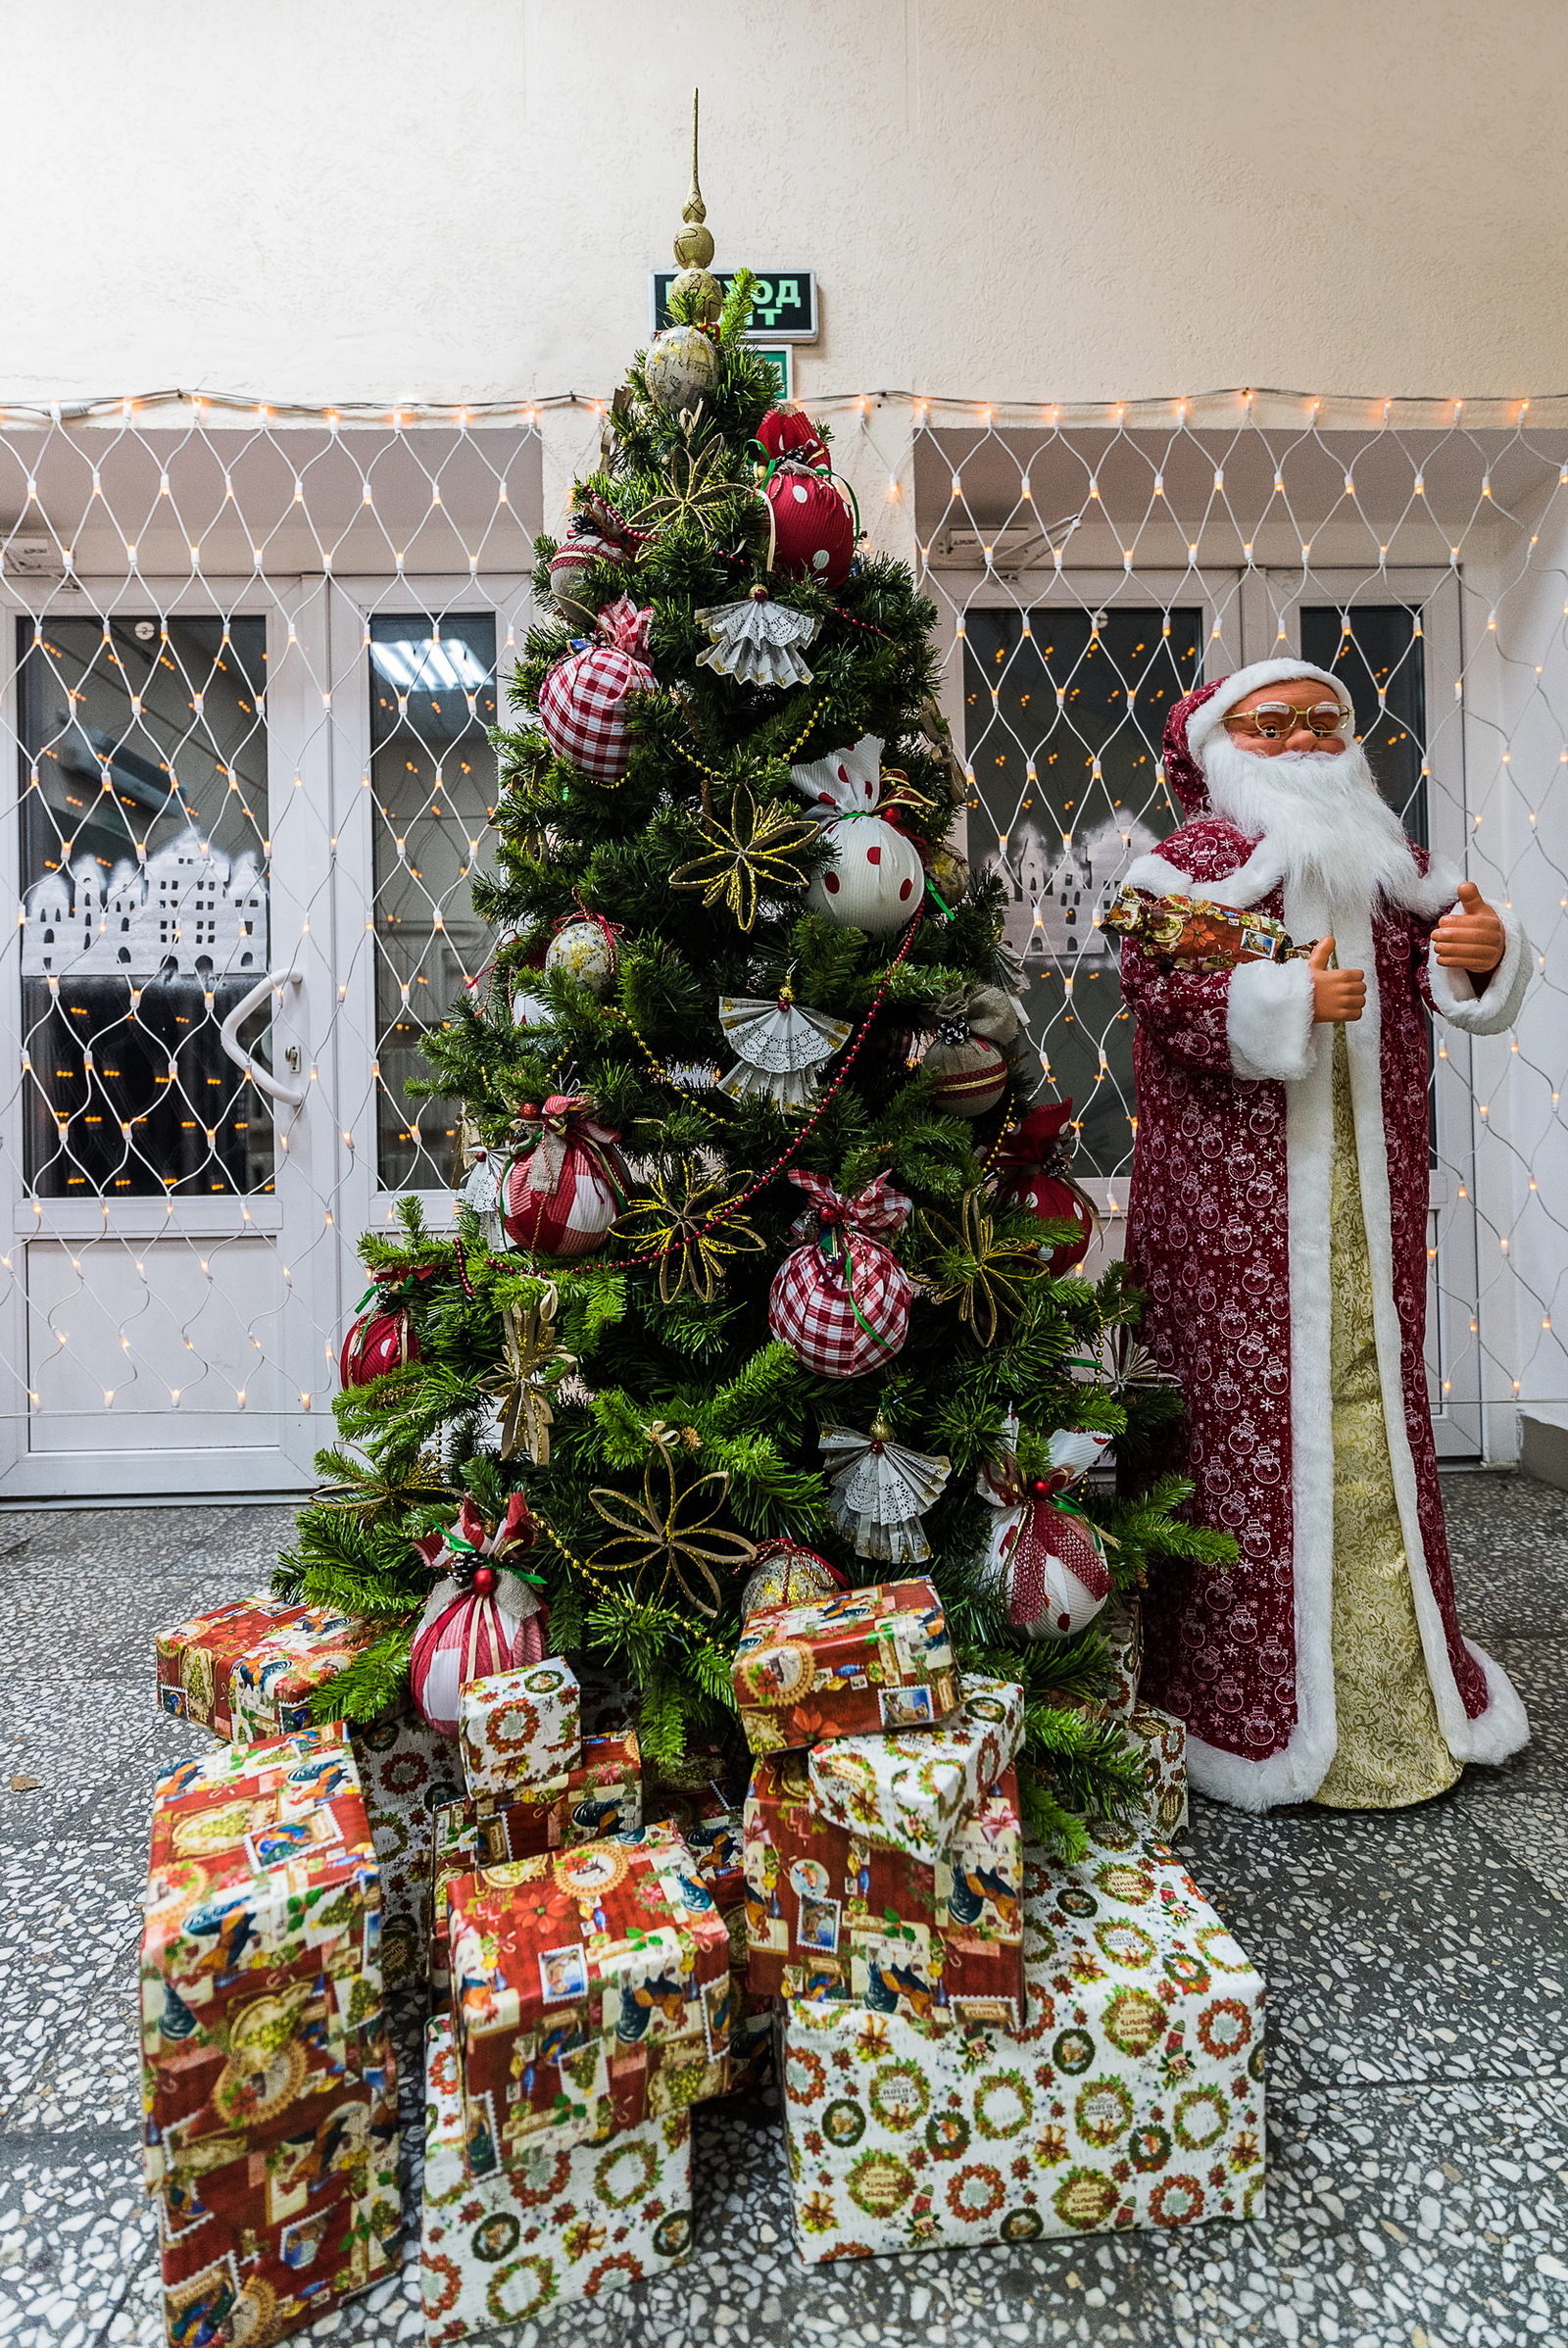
column 1337, row 995
column 1470, row 937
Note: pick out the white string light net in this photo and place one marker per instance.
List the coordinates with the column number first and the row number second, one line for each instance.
column 252, row 657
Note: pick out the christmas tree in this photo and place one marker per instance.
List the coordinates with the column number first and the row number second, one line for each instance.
column 751, row 1262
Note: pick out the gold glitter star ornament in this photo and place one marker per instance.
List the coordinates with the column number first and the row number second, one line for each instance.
column 754, row 850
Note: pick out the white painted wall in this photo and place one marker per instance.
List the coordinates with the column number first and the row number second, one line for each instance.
column 1068, row 199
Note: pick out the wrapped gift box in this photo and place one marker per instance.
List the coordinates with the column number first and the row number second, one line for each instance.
column 520, row 1729
column 563, row 2223
column 876, row 1658
column 1133, row 2095
column 408, row 1772
column 249, row 1669
column 908, row 1793
column 1121, row 1625
column 1162, row 1739
column 830, row 1915
column 268, row 2086
column 591, row 1989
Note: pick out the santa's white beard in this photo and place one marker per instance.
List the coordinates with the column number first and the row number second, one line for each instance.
column 1321, row 813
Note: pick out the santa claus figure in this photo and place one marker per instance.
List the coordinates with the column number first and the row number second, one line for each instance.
column 1278, row 1222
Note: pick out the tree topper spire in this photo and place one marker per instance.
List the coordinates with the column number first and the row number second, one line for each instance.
column 693, row 240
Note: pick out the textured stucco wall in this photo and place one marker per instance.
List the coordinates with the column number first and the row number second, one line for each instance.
column 1072, row 199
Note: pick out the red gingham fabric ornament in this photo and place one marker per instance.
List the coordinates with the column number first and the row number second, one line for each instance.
column 562, row 1198
column 582, row 701
column 842, row 1300
column 480, row 1619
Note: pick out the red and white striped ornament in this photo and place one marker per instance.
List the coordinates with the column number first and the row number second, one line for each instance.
column 562, row 1198
column 480, row 1619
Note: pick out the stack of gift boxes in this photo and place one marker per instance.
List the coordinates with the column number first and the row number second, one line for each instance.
column 971, row 2050
column 973, row 2046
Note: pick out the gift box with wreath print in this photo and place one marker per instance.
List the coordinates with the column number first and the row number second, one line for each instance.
column 564, row 2222
column 909, row 1793
column 1160, row 1738
column 521, row 1731
column 1132, row 2096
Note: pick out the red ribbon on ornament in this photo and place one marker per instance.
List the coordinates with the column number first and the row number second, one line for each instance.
column 625, row 627
column 841, row 1221
column 565, row 1118
column 1051, row 1525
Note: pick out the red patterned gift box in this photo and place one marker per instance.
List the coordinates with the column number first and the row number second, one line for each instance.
column 269, row 2088
column 830, row 1915
column 860, row 1660
column 601, row 1795
column 249, row 1669
column 591, row 1988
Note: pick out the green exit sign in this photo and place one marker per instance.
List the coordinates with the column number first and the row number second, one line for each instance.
column 783, row 302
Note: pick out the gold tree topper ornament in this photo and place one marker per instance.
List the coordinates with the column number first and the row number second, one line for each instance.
column 669, row 1532
column 694, row 245
column 680, row 1224
column 754, row 850
column 528, row 1342
column 986, row 1276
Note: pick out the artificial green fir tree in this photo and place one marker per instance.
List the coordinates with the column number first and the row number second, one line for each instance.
column 694, row 907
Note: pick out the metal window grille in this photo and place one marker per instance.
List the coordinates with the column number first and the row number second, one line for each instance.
column 250, row 657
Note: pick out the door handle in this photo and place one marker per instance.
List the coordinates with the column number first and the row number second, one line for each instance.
column 292, row 1096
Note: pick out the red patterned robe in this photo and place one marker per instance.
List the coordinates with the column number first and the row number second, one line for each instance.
column 1228, row 1231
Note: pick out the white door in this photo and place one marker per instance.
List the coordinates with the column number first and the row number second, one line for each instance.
column 171, row 1258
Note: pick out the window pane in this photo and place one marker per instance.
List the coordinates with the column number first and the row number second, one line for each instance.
column 1064, row 715
column 145, row 903
column 432, row 778
column 1378, row 649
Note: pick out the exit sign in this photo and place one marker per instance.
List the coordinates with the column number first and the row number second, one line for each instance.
column 783, row 302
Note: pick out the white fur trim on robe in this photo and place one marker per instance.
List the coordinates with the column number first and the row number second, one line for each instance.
column 1268, row 1021
column 1496, row 1007
column 1296, row 1774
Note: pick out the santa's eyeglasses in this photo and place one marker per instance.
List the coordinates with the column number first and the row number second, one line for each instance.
column 1277, row 720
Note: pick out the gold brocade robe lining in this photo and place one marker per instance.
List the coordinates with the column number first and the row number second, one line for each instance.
column 1391, row 1751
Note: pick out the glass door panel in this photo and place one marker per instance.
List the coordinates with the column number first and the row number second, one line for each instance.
column 145, row 898
column 433, row 698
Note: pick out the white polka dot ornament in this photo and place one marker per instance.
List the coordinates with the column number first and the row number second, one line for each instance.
column 876, row 878
column 813, row 527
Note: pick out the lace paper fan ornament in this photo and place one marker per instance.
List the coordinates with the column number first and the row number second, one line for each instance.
column 481, row 1190
column 880, row 1490
column 781, row 1045
column 758, row 640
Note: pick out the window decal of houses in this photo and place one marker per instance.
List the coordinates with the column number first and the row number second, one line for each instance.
column 189, row 911
column 1057, row 893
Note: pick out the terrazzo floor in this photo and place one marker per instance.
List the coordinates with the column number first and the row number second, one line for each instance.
column 1417, row 1962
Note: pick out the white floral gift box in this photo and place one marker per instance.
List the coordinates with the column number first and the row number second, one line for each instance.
column 907, row 1792
column 558, row 2223
column 1133, row 2095
column 520, row 1729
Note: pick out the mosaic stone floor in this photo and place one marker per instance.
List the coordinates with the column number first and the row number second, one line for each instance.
column 1419, row 1967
